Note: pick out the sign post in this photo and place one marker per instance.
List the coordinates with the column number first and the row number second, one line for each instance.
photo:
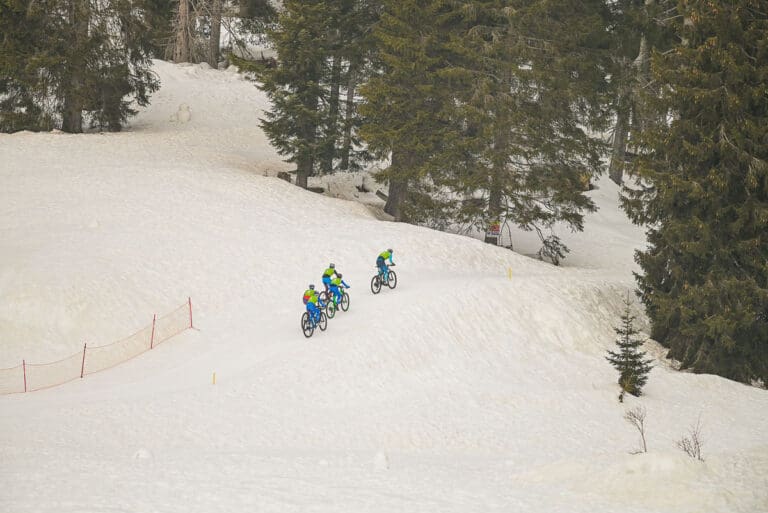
column 493, row 232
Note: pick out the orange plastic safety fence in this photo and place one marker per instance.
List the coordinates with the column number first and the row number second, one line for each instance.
column 40, row 376
column 92, row 359
column 172, row 324
column 100, row 358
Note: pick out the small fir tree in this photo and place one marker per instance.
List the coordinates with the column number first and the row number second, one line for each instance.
column 631, row 363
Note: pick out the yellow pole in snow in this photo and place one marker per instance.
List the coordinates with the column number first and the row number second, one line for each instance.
column 214, row 378
column 509, row 273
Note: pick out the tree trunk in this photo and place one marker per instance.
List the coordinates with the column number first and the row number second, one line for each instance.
column 349, row 110
column 182, row 49
column 214, row 43
column 73, row 94
column 305, row 162
column 643, row 73
column 643, row 117
column 72, row 115
column 398, row 190
column 326, row 165
column 303, row 172
column 620, row 132
column 496, row 185
column 398, row 187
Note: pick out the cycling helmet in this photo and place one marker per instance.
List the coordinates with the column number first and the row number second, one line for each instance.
column 332, row 266
column 311, row 286
column 339, row 275
column 389, row 250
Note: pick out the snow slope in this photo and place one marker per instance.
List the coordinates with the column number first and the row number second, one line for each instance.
column 462, row 390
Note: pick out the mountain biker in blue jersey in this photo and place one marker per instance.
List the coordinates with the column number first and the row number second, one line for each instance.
column 381, row 262
column 335, row 287
column 327, row 276
column 311, row 299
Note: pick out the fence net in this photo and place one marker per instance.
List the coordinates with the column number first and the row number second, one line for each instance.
column 31, row 377
column 46, row 375
column 173, row 323
column 100, row 358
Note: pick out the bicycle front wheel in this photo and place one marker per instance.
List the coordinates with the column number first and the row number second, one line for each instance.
column 306, row 325
column 392, row 280
column 345, row 302
column 323, row 322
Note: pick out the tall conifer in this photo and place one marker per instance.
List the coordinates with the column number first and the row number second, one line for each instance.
column 534, row 79
column 70, row 62
column 407, row 105
column 295, row 85
column 703, row 192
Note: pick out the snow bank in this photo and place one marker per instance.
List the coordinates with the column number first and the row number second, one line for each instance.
column 483, row 392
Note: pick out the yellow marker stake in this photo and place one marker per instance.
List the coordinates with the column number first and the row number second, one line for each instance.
column 214, row 378
column 509, row 273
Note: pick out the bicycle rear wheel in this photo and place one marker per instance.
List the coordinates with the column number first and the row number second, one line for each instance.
column 330, row 309
column 376, row 284
column 306, row 325
column 392, row 282
column 345, row 302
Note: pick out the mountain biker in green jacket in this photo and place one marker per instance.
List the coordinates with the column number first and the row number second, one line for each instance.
column 331, row 271
column 335, row 287
column 381, row 263
column 312, row 300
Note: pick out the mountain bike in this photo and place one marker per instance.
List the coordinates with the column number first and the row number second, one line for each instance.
column 379, row 280
column 333, row 305
column 309, row 323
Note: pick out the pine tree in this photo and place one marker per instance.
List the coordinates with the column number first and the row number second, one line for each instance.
column 359, row 51
column 631, row 363
column 295, row 85
column 19, row 83
column 703, row 192
column 638, row 27
column 406, row 107
column 349, row 46
column 73, row 61
column 532, row 77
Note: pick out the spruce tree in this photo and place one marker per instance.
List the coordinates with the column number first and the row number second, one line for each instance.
column 359, row 51
column 350, row 46
column 533, row 77
column 629, row 360
column 19, row 82
column 637, row 28
column 703, row 192
column 295, row 85
column 407, row 104
column 68, row 62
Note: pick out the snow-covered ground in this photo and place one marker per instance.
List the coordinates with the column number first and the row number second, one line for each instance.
column 461, row 390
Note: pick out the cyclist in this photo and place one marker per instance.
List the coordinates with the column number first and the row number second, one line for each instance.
column 381, row 263
column 335, row 287
column 327, row 276
column 311, row 299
